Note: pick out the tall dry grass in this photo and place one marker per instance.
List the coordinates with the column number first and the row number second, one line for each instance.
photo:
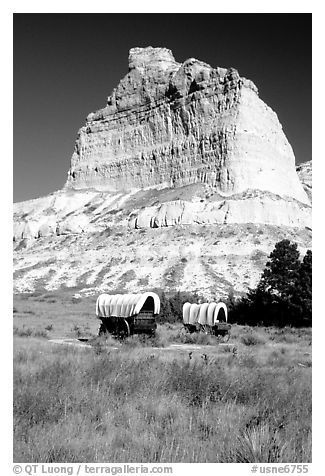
column 139, row 405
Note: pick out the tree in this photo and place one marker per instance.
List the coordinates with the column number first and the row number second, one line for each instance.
column 278, row 284
column 302, row 295
column 281, row 272
column 165, row 314
column 171, row 307
column 283, row 294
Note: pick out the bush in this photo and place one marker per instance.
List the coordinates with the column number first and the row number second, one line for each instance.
column 198, row 338
column 28, row 332
column 144, row 340
column 171, row 308
column 251, row 339
column 24, row 332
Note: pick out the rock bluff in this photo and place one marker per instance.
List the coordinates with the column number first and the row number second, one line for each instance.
column 184, row 180
column 170, row 125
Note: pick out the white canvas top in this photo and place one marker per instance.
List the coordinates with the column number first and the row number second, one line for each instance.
column 206, row 313
column 124, row 305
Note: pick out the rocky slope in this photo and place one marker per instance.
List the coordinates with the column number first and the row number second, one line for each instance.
column 304, row 172
column 185, row 180
column 88, row 211
column 209, row 259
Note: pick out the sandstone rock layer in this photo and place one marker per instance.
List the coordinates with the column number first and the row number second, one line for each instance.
column 304, row 172
column 169, row 124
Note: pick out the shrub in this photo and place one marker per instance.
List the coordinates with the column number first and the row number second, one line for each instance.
column 76, row 330
column 260, row 443
column 144, row 340
column 39, row 333
column 251, row 339
column 198, row 338
column 24, row 332
column 171, row 307
column 28, row 332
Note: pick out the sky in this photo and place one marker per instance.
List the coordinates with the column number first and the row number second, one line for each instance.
column 65, row 66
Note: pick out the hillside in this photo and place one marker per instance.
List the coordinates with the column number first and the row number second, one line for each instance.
column 185, row 180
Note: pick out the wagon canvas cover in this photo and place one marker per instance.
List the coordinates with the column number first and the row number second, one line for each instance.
column 124, row 305
column 205, row 314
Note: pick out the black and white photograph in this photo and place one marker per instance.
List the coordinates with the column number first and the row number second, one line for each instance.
column 162, row 240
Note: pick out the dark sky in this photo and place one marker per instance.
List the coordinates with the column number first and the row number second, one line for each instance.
column 65, row 66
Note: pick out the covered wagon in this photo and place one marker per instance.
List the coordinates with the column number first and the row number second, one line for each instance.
column 126, row 314
column 210, row 318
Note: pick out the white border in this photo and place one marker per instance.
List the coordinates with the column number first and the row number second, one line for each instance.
column 59, row 6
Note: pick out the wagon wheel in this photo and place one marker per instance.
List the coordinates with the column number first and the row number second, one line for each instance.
column 101, row 329
column 208, row 329
column 203, row 328
column 184, row 331
column 223, row 338
column 123, row 329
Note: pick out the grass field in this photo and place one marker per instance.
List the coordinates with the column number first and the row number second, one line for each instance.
column 247, row 401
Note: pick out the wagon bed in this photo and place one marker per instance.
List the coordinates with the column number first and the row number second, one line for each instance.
column 209, row 318
column 125, row 314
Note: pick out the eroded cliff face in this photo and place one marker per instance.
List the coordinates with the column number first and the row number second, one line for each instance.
column 184, row 180
column 304, row 172
column 169, row 125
